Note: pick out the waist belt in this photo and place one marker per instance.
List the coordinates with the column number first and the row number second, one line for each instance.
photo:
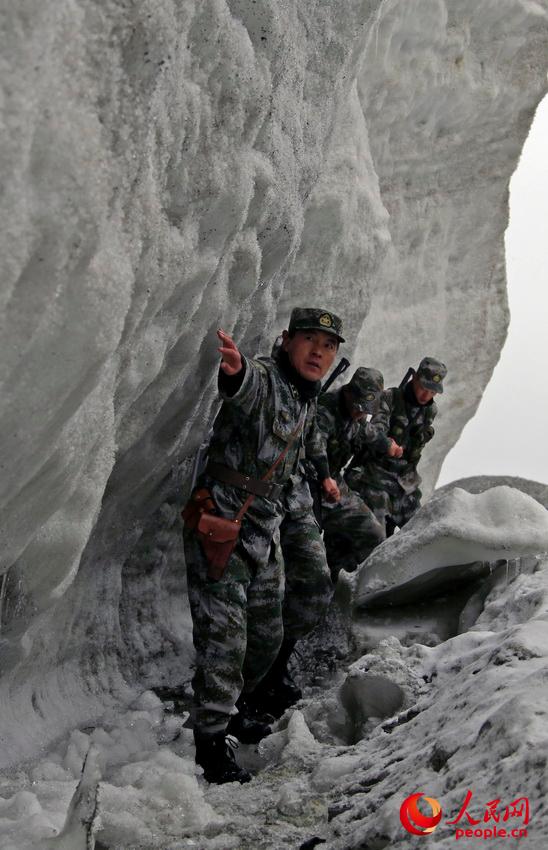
column 256, row 486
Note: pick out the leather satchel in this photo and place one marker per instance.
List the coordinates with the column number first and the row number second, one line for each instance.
column 219, row 535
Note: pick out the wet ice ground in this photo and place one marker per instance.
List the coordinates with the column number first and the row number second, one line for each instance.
column 467, row 713
column 384, row 716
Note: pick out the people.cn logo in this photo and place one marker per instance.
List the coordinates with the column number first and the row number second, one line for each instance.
column 414, row 821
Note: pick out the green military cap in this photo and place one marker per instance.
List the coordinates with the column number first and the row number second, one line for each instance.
column 431, row 373
column 309, row 318
column 366, row 386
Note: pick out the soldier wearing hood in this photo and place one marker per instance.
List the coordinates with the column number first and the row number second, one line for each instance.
column 387, row 479
column 351, row 530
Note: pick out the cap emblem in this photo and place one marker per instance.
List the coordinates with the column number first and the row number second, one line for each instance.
column 326, row 320
column 436, row 378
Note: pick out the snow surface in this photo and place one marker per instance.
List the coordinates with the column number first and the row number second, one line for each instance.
column 468, row 712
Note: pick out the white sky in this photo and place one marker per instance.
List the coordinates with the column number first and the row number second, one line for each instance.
column 509, row 433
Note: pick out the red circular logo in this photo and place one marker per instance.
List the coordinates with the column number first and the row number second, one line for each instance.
column 415, row 822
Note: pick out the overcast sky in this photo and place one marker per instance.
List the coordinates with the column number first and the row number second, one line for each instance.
column 509, row 433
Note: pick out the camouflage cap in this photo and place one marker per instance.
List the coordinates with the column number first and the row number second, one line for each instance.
column 309, row 318
column 431, row 373
column 366, row 386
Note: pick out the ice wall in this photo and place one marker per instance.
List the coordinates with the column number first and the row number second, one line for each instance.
column 168, row 166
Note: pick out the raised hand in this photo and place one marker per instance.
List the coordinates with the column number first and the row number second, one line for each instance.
column 394, row 450
column 231, row 359
column 331, row 490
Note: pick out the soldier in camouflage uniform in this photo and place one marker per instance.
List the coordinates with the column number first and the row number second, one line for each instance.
column 389, row 482
column 237, row 620
column 351, row 530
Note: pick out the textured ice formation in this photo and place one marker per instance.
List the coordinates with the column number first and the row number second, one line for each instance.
column 446, row 542
column 479, row 483
column 168, row 166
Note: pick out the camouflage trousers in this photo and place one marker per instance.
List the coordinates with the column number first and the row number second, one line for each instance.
column 308, row 585
column 351, row 531
column 391, row 508
column 238, row 624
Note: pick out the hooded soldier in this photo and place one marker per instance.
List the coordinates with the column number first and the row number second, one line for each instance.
column 387, row 478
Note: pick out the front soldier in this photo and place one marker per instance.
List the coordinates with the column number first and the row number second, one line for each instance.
column 389, row 482
column 252, row 481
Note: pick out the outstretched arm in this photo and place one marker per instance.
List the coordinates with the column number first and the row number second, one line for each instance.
column 241, row 381
column 231, row 359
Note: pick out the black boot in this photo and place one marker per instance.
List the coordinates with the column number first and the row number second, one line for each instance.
column 247, row 730
column 247, row 726
column 277, row 691
column 214, row 754
column 391, row 526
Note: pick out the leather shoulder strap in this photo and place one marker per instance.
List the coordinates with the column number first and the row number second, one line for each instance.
column 266, row 477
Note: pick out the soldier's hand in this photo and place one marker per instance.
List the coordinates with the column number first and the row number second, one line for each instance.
column 394, row 450
column 231, row 360
column 331, row 490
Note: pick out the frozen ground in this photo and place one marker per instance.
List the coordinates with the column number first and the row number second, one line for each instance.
column 171, row 165
column 437, row 716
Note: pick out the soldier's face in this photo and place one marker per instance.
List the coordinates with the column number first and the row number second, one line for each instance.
column 422, row 395
column 311, row 353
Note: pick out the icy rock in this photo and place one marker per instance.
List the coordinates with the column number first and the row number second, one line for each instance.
column 292, row 798
column 157, row 796
column 77, row 749
column 329, row 771
column 24, row 823
column 83, row 814
column 22, row 803
column 49, row 770
column 295, row 743
column 148, row 701
column 378, row 685
column 447, row 541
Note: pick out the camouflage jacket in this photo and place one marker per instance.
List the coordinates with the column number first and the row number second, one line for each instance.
column 250, row 431
column 345, row 437
column 410, row 425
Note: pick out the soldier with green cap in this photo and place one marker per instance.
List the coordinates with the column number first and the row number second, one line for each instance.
column 386, row 477
column 265, row 427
